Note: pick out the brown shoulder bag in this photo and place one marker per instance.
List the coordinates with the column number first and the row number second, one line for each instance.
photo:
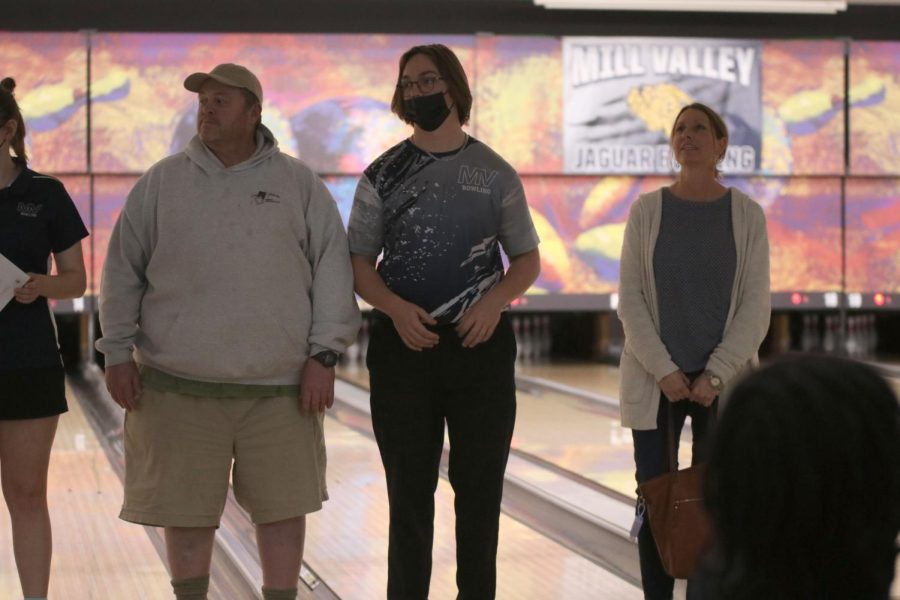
column 674, row 505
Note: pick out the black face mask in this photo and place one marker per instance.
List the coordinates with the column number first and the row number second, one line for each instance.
column 428, row 112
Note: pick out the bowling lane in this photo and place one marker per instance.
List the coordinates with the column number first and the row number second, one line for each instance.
column 891, row 372
column 574, row 434
column 347, row 540
column 894, row 382
column 354, row 372
column 95, row 555
column 595, row 378
column 603, row 379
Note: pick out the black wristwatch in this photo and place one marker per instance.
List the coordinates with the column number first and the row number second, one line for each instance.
column 326, row 358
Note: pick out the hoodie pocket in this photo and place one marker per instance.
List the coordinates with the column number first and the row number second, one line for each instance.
column 245, row 346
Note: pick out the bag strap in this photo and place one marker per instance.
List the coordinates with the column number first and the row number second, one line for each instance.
column 671, row 446
column 671, row 451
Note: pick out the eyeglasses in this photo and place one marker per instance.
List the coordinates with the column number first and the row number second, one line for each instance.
column 425, row 83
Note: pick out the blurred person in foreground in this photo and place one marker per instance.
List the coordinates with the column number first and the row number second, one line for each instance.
column 803, row 484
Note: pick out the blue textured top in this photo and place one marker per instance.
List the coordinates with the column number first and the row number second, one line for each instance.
column 694, row 263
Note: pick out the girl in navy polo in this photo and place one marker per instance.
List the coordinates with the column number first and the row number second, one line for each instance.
column 37, row 218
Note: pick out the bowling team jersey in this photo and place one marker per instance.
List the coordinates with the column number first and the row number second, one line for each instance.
column 440, row 221
column 37, row 217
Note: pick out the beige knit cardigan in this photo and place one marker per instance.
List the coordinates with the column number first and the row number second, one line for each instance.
column 645, row 359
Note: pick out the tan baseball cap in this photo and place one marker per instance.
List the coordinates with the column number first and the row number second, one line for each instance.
column 229, row 74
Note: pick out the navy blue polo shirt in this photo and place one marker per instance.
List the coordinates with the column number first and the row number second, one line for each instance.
column 37, row 218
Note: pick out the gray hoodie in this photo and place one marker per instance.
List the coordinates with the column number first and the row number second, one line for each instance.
column 231, row 275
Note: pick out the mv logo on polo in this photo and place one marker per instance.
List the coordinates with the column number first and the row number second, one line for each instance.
column 29, row 209
column 476, row 179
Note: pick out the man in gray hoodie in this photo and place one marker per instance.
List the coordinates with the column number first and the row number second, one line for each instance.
column 228, row 270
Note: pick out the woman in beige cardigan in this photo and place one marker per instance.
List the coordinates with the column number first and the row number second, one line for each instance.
column 694, row 302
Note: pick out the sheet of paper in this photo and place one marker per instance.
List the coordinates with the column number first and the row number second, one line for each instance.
column 11, row 277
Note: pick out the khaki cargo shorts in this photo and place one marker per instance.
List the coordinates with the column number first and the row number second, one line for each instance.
column 180, row 451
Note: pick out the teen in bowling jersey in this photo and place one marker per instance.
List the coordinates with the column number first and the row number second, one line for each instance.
column 438, row 207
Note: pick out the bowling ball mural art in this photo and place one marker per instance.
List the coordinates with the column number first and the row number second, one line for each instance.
column 326, row 97
column 803, row 218
column 327, row 102
column 79, row 189
column 808, row 111
column 342, row 189
column 272, row 118
column 602, row 220
column 131, row 132
column 556, row 261
column 184, row 131
column 50, row 70
column 518, row 100
column 875, row 108
column 110, row 192
column 331, row 136
column 345, row 134
column 873, row 203
column 581, row 223
column 873, row 235
column 803, row 107
column 51, row 105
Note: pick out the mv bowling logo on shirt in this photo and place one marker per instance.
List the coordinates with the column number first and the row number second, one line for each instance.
column 476, row 179
column 29, row 209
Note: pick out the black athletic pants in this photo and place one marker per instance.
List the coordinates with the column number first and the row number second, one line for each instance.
column 413, row 395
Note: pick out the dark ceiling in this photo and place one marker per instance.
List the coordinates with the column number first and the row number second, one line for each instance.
column 432, row 16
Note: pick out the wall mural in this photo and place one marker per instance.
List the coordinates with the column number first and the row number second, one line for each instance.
column 327, row 100
column 873, row 235
column 326, row 97
column 875, row 108
column 50, row 70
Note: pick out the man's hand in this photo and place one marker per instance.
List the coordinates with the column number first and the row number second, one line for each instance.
column 675, row 386
column 124, row 384
column 316, row 386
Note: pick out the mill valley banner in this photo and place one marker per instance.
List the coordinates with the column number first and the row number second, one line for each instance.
column 621, row 96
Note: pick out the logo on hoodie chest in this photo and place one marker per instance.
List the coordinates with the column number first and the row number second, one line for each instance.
column 262, row 197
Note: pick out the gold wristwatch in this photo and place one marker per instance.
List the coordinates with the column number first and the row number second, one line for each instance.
column 714, row 380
